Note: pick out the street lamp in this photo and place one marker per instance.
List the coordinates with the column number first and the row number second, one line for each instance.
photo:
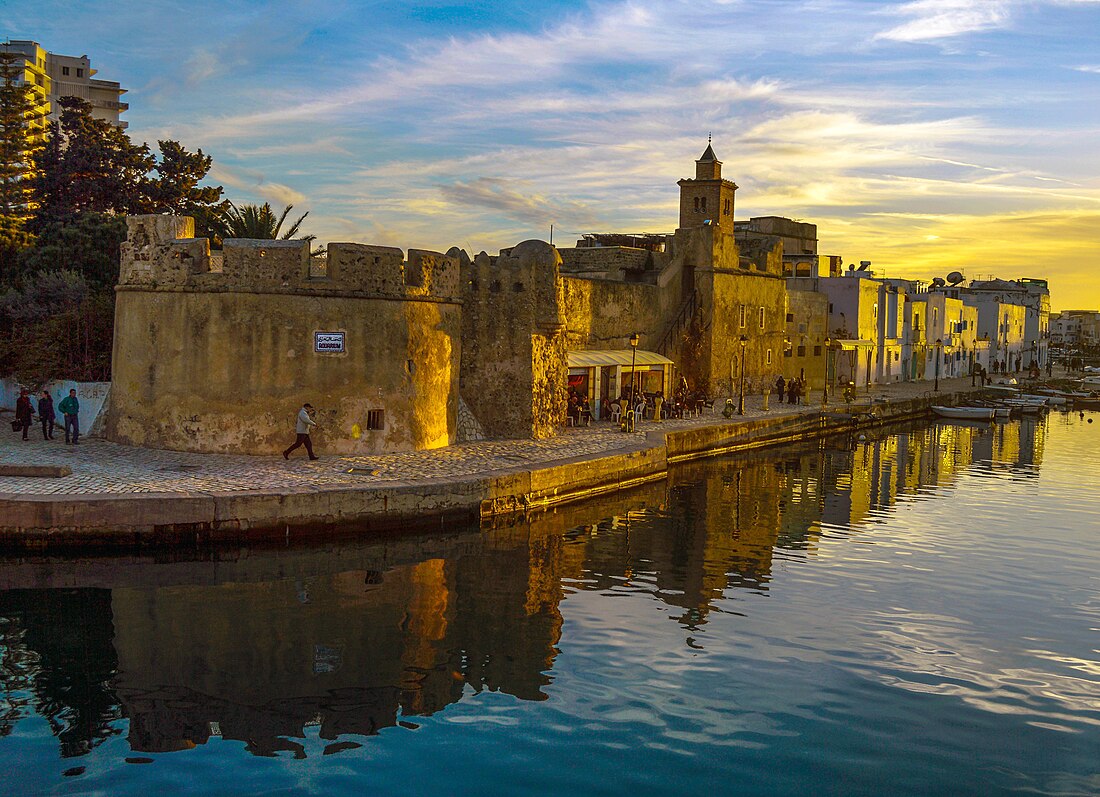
column 825, row 390
column 634, row 338
column 741, row 394
column 939, row 356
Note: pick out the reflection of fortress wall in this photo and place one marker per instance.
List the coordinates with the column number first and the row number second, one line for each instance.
column 350, row 650
column 207, row 359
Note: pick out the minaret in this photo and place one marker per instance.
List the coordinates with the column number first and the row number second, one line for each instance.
column 708, row 199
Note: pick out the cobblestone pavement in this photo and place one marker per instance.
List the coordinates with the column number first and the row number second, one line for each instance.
column 101, row 467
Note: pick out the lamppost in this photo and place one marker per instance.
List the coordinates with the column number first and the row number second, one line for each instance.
column 634, row 338
column 741, row 392
column 825, row 389
column 939, row 356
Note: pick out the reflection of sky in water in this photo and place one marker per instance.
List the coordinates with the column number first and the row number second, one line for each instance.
column 917, row 614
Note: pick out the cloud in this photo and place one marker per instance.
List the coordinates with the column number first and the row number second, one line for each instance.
column 254, row 183
column 524, row 206
column 1093, row 68
column 938, row 19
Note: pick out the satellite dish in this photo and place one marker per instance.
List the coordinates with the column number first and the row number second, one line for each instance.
column 955, row 277
column 938, row 282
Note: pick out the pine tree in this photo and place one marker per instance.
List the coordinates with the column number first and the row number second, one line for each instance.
column 176, row 188
column 89, row 166
column 18, row 148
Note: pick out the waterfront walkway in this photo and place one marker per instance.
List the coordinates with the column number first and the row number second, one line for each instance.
column 101, row 468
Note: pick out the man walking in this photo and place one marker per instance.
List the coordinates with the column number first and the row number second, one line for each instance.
column 305, row 421
column 23, row 412
column 70, row 408
column 46, row 414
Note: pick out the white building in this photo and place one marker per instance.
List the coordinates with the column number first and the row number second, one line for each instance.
column 69, row 76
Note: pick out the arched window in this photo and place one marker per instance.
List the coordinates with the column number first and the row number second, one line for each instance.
column 703, row 204
column 696, row 204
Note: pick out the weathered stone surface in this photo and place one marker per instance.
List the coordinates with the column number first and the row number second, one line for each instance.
column 222, row 362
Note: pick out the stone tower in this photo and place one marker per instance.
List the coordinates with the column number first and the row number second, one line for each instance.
column 708, row 199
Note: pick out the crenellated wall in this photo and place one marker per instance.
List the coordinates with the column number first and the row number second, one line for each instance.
column 513, row 360
column 218, row 354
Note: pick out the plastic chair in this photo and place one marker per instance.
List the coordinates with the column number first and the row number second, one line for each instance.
column 616, row 412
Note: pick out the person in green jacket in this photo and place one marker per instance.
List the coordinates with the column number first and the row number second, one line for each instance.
column 69, row 407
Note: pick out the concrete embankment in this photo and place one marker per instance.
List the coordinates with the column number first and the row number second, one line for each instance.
column 91, row 520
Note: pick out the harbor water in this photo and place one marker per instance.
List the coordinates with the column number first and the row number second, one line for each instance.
column 915, row 613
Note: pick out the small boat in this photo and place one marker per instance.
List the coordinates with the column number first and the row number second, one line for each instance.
column 965, row 413
column 1054, row 401
column 1002, row 389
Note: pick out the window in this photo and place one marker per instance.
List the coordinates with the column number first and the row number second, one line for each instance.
column 761, row 317
column 768, row 357
column 788, row 353
column 376, row 420
column 742, row 315
column 801, row 351
column 790, row 317
column 696, row 204
column 830, row 308
column 79, row 72
column 703, row 204
column 64, row 70
column 817, row 351
column 874, row 310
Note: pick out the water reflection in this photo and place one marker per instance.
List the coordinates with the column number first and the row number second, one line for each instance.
column 257, row 645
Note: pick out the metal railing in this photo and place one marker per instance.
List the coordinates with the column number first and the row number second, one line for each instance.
column 682, row 319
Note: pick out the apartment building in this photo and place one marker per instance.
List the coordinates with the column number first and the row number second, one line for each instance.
column 54, row 76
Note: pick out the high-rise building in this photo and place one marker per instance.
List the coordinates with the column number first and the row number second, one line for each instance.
column 54, row 76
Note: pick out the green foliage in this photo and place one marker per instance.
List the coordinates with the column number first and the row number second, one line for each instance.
column 89, row 244
column 176, row 188
column 56, row 326
column 260, row 222
column 90, row 166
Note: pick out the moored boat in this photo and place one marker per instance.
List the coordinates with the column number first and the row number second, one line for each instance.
column 965, row 413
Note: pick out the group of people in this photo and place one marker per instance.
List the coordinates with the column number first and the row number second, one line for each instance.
column 578, row 408
column 69, row 407
column 794, row 389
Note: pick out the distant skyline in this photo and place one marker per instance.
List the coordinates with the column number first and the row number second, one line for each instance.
column 925, row 136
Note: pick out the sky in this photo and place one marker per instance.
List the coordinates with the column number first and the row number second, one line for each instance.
column 926, row 136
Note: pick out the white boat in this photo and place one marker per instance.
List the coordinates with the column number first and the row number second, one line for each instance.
column 1054, row 401
column 965, row 413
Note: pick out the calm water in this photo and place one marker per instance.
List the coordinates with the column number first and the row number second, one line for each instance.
column 916, row 614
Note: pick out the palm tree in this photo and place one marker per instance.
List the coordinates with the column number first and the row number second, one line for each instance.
column 259, row 221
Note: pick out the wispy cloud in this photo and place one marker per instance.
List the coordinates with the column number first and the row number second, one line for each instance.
column 939, row 19
column 255, row 183
column 516, row 201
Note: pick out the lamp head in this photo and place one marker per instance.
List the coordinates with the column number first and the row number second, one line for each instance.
column 634, row 338
column 744, row 341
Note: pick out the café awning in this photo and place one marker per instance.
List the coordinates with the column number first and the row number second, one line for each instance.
column 594, row 358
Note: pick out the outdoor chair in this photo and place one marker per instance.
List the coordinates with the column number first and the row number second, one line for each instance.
column 616, row 412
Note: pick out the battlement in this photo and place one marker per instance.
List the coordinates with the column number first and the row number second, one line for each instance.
column 162, row 252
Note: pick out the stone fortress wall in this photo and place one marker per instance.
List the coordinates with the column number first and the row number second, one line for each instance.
column 217, row 354
column 513, row 340
column 221, row 359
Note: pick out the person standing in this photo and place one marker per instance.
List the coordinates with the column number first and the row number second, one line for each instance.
column 779, row 385
column 46, row 414
column 24, row 413
column 70, row 408
column 305, row 422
